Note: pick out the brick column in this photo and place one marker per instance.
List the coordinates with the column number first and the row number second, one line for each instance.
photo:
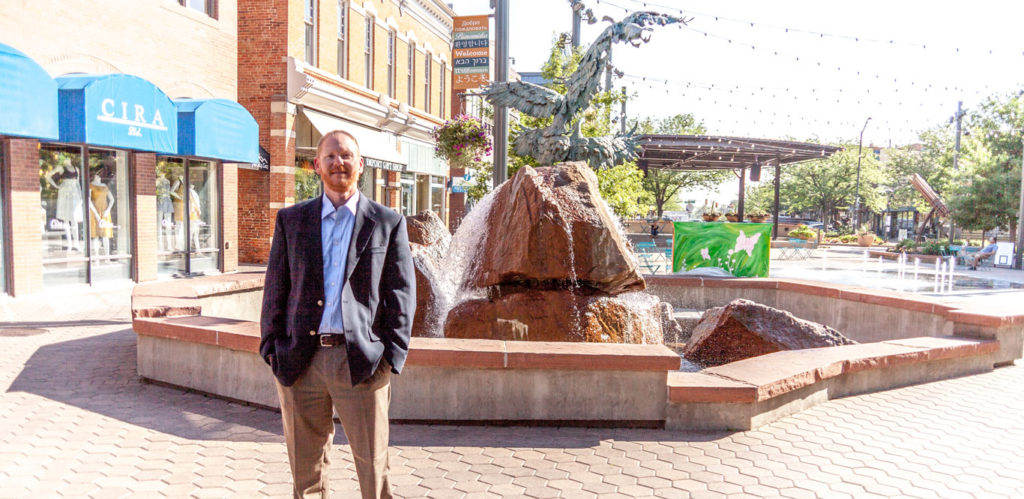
column 25, row 273
column 144, row 216
column 456, row 202
column 229, row 217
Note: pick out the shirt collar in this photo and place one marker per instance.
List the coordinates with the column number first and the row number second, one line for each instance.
column 328, row 207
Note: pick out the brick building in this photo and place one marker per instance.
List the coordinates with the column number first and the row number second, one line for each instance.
column 119, row 140
column 378, row 69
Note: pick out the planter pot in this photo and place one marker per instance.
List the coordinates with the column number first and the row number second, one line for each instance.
column 710, row 218
column 732, row 218
column 865, row 239
column 758, row 220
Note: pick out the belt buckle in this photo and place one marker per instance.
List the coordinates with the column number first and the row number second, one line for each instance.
column 332, row 342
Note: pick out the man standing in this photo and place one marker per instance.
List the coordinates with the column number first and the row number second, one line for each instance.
column 338, row 305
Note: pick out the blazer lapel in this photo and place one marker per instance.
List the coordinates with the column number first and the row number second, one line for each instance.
column 315, row 245
column 362, row 229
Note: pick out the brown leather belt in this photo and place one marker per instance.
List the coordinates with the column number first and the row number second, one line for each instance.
column 332, row 340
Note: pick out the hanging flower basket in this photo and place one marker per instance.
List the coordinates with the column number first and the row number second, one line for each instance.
column 462, row 140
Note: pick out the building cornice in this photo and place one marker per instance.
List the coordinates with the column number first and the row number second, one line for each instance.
column 316, row 89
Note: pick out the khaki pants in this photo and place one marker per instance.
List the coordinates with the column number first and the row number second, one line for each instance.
column 309, row 425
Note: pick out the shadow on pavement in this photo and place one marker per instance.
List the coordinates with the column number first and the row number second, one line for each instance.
column 98, row 373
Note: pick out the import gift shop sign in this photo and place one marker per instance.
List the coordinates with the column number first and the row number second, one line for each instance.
column 117, row 110
column 470, row 52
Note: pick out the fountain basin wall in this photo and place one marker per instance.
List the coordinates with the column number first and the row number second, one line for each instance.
column 863, row 315
column 498, row 382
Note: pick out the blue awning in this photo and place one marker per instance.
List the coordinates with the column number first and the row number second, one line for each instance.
column 28, row 97
column 217, row 128
column 117, row 110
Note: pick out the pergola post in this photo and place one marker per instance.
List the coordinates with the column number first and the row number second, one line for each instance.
column 739, row 204
column 775, row 210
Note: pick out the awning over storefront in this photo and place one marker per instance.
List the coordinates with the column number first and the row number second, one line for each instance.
column 28, row 97
column 422, row 159
column 117, row 110
column 217, row 128
column 374, row 145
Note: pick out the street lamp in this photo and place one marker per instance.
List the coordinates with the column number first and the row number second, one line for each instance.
column 856, row 203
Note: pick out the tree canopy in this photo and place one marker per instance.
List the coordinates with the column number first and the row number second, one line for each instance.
column 664, row 185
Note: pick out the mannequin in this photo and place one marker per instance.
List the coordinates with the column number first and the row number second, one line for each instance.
column 101, row 200
column 178, row 200
column 69, row 201
column 165, row 214
column 195, row 214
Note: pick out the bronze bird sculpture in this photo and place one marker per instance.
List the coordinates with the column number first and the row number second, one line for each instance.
column 555, row 143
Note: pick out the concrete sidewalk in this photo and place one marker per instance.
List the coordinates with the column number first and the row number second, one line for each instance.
column 77, row 422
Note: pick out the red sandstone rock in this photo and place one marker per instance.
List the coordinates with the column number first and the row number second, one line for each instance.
column 550, row 224
column 427, row 229
column 558, row 315
column 744, row 329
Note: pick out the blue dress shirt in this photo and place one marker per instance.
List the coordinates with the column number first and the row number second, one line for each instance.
column 336, row 237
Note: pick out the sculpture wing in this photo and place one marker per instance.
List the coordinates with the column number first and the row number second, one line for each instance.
column 583, row 84
column 528, row 98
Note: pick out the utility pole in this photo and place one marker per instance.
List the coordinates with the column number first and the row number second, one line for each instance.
column 500, row 173
column 577, row 8
column 622, row 117
column 856, row 203
column 1019, row 260
column 956, row 157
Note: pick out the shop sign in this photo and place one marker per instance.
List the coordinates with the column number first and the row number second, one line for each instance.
column 264, row 161
column 122, row 111
column 471, row 52
column 383, row 164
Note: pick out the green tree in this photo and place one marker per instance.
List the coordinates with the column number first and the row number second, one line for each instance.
column 824, row 185
column 933, row 161
column 622, row 188
column 988, row 187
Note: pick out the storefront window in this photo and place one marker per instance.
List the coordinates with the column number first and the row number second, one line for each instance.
column 3, row 218
column 422, row 193
column 408, row 198
column 62, row 213
column 307, row 182
column 367, row 182
column 437, row 196
column 107, row 200
column 84, row 213
column 187, row 217
column 204, row 218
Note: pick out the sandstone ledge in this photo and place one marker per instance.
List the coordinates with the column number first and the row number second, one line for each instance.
column 768, row 376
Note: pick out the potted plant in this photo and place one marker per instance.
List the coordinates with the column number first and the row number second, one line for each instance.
column 758, row 217
column 732, row 217
column 864, row 236
column 462, row 140
column 709, row 212
column 803, row 232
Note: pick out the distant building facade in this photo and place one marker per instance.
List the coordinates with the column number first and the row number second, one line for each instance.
column 119, row 140
column 380, row 70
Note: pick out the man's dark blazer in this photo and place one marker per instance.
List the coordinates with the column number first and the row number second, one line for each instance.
column 378, row 296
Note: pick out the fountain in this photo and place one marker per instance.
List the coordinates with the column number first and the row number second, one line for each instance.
column 539, row 259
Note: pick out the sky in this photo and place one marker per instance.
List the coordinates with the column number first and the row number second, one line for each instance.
column 798, row 69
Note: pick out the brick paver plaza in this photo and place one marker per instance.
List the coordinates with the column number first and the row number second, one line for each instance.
column 77, row 421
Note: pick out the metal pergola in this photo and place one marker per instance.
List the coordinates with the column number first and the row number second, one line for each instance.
column 709, row 152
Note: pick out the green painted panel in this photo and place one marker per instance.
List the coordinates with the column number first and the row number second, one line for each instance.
column 739, row 248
